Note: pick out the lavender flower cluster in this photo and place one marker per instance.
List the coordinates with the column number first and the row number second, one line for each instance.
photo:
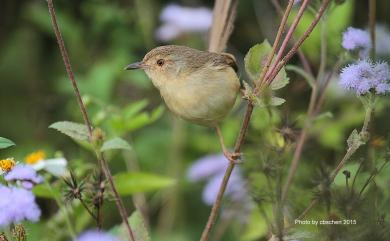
column 95, row 235
column 211, row 168
column 17, row 202
column 363, row 76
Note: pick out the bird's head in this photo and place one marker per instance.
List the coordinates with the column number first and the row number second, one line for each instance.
column 163, row 64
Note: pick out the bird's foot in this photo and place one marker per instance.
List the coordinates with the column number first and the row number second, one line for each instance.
column 234, row 157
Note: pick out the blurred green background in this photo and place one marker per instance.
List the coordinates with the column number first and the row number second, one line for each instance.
column 104, row 36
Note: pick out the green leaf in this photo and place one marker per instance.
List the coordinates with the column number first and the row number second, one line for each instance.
column 5, row 143
column 74, row 130
column 137, row 224
column 256, row 58
column 280, row 80
column 42, row 191
column 272, row 101
column 136, row 221
column 129, row 183
column 115, row 143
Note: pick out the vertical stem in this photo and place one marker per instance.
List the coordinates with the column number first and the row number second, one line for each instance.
column 372, row 20
column 63, row 210
column 101, row 160
column 68, row 66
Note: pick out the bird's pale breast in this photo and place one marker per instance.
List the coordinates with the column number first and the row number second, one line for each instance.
column 204, row 97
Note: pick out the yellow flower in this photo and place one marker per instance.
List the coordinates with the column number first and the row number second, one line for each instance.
column 35, row 157
column 6, row 165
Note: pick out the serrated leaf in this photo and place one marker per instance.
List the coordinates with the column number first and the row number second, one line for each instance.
column 138, row 226
column 115, row 143
column 256, row 58
column 5, row 143
column 280, row 80
column 136, row 221
column 273, row 101
column 276, row 101
column 129, row 183
column 74, row 130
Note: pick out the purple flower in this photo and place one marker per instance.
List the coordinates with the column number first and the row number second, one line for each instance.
column 364, row 76
column 25, row 174
column 95, row 235
column 207, row 166
column 16, row 205
column 354, row 38
column 177, row 20
column 382, row 40
column 212, row 168
column 235, row 189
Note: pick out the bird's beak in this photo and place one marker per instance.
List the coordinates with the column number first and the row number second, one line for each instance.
column 136, row 65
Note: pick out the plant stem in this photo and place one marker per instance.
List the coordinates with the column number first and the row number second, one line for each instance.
column 310, row 114
column 100, row 157
column 376, row 172
column 63, row 210
column 241, row 137
column 87, row 208
column 351, row 150
column 298, row 44
column 372, row 20
column 289, row 35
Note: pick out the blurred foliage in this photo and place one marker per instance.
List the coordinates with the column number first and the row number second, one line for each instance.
column 104, row 36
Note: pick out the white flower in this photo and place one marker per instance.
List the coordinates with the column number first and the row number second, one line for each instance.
column 177, row 20
column 55, row 166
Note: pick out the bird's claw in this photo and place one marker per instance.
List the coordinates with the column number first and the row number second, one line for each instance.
column 234, row 157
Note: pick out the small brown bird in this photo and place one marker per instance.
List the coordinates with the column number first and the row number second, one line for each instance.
column 198, row 86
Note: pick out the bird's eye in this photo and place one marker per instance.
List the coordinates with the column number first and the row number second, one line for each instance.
column 160, row 62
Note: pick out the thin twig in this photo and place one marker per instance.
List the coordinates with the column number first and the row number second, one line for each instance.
column 100, row 157
column 298, row 44
column 310, row 114
column 301, row 55
column 87, row 208
column 288, row 37
column 374, row 174
column 372, row 20
column 351, row 150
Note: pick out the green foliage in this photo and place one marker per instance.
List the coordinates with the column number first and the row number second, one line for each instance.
column 74, row 130
column 138, row 226
column 256, row 59
column 5, row 143
column 129, row 183
column 140, row 232
column 42, row 191
column 115, row 143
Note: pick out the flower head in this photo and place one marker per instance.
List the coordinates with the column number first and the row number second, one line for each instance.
column 354, row 38
column 35, row 157
column 94, row 235
column 364, row 76
column 25, row 174
column 6, row 165
column 55, row 166
column 206, row 167
column 16, row 205
column 177, row 20
column 212, row 169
